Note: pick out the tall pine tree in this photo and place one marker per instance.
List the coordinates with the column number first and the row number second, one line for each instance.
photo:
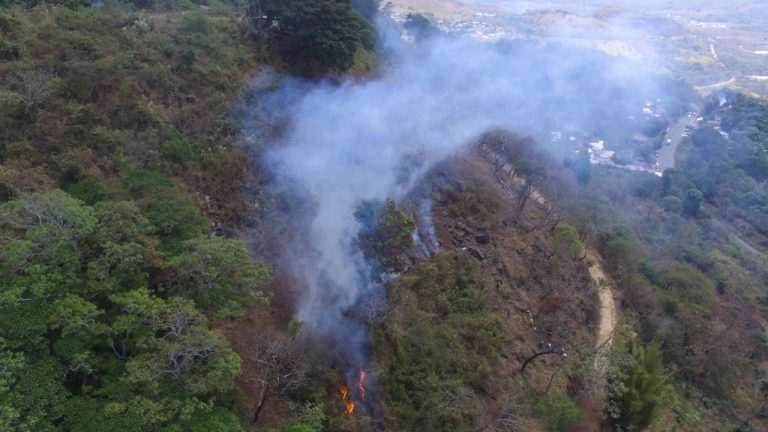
column 644, row 388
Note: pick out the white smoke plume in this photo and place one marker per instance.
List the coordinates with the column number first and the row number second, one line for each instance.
column 343, row 143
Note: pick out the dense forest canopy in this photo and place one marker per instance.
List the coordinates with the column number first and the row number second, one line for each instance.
column 120, row 180
column 117, row 156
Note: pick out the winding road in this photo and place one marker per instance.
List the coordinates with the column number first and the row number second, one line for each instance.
column 709, row 88
column 666, row 154
column 706, row 90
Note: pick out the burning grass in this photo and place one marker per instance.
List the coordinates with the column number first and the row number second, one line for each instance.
column 349, row 404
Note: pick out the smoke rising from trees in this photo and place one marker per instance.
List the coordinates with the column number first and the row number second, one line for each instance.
column 344, row 143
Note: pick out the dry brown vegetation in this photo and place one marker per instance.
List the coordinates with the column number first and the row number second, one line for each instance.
column 545, row 300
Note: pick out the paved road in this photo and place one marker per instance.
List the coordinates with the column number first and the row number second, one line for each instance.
column 666, row 154
column 666, row 159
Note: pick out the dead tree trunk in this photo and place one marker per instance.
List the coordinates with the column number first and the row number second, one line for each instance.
column 260, row 406
column 744, row 423
column 535, row 356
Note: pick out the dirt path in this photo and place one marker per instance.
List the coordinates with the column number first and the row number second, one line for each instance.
column 607, row 322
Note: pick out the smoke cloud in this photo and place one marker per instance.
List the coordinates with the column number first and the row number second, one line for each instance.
column 342, row 143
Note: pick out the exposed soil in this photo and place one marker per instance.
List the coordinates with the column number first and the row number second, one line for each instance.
column 607, row 321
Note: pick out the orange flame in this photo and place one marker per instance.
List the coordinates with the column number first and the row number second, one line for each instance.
column 346, row 397
column 360, row 386
column 350, row 407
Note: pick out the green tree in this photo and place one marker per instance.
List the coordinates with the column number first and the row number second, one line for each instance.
column 559, row 413
column 183, row 350
column 438, row 359
column 566, row 241
column 419, row 25
column 43, row 237
column 219, row 274
column 367, row 8
column 319, row 36
column 692, row 202
column 75, row 320
column 583, row 167
column 94, row 414
column 82, row 283
column 33, row 394
column 667, row 180
column 44, row 228
column 217, row 419
column 644, row 389
column 118, row 267
column 11, row 364
column 688, row 283
column 385, row 235
column 672, row 204
column 128, row 326
column 622, row 254
column 176, row 217
column 121, row 222
column 533, row 174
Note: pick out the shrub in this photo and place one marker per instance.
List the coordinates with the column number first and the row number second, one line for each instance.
column 9, row 51
column 140, row 182
column 559, row 413
column 385, row 236
column 566, row 241
column 672, row 204
column 435, row 361
column 178, row 150
column 622, row 254
column 692, row 202
column 688, row 283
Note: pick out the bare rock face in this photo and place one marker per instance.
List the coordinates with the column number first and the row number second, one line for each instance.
column 476, row 253
column 482, row 237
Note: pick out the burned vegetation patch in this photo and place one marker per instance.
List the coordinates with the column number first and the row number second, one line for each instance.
column 506, row 287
